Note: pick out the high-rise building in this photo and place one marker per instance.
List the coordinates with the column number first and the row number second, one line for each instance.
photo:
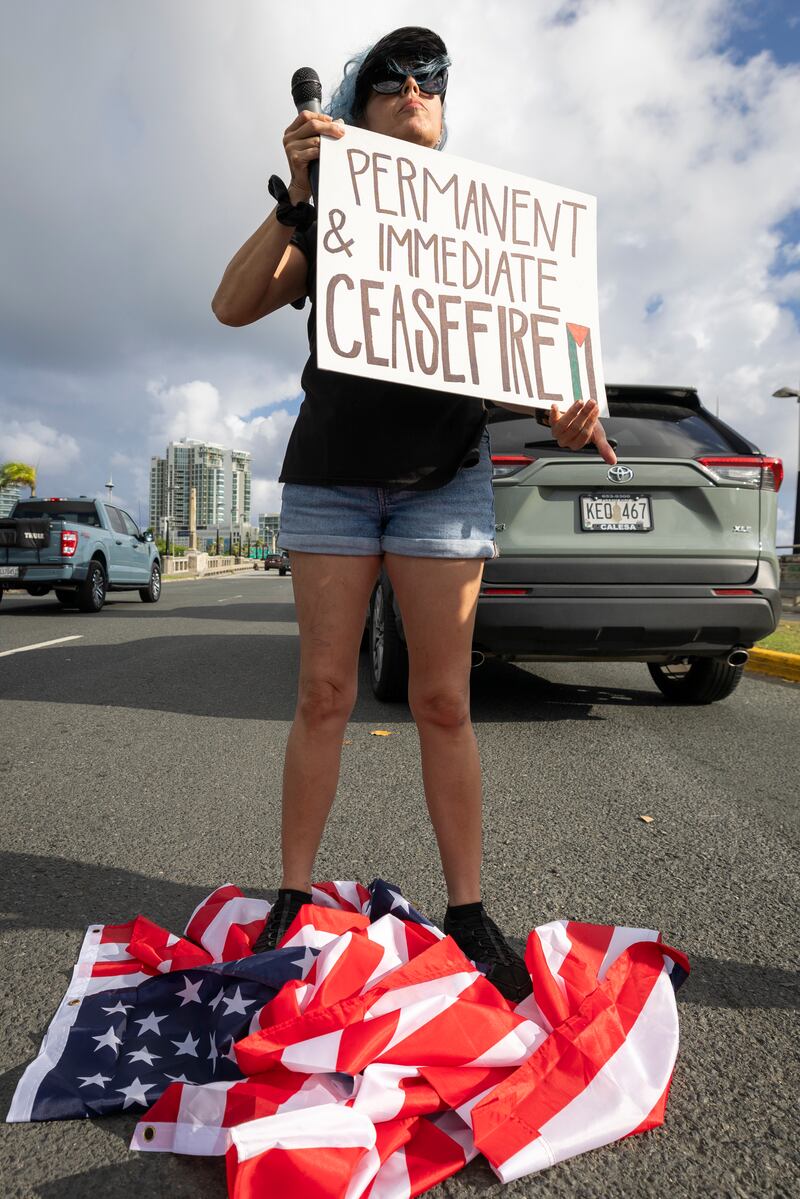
column 8, row 498
column 222, row 479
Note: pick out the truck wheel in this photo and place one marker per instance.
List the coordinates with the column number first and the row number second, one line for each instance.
column 699, row 681
column 150, row 594
column 388, row 653
column 67, row 599
column 91, row 595
column 37, row 590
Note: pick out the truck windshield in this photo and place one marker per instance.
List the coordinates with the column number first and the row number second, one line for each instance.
column 72, row 511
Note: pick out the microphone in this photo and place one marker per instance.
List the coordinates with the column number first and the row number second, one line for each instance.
column 307, row 94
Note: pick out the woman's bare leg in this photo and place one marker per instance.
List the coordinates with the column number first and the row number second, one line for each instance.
column 438, row 599
column 331, row 593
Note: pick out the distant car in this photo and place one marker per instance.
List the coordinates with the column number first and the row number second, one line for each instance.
column 279, row 561
column 667, row 558
column 79, row 548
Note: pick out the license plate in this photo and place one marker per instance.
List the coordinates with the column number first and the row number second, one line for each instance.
column 9, row 572
column 616, row 512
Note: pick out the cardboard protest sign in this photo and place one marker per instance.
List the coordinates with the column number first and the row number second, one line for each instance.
column 447, row 274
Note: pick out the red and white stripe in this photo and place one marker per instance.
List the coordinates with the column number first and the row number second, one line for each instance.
column 598, row 1079
column 198, row 1119
column 227, row 924
column 281, row 1155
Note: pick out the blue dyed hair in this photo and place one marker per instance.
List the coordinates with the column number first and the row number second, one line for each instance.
column 411, row 48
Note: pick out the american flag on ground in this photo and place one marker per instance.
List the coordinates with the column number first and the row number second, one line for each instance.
column 366, row 1056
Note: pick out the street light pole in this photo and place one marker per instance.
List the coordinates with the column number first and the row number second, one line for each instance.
column 786, row 393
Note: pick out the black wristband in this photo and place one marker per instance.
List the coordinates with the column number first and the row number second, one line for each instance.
column 298, row 216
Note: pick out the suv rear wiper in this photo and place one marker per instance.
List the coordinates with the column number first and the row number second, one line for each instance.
column 542, row 445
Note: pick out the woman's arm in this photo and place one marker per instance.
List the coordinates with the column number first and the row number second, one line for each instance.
column 267, row 272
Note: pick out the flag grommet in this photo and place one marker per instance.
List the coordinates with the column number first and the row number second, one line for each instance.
column 148, row 1132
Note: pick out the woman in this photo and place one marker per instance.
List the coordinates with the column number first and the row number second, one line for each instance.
column 381, row 474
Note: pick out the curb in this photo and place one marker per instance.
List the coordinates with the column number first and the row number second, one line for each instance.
column 781, row 666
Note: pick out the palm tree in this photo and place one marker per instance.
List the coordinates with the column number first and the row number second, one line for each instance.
column 14, row 474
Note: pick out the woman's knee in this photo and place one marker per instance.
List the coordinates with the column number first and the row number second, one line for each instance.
column 324, row 698
column 447, row 707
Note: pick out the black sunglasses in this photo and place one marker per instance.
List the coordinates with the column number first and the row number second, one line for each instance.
column 388, row 82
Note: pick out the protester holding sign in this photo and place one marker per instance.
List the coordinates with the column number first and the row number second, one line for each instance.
column 394, row 471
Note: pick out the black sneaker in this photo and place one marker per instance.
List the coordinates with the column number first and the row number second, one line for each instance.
column 479, row 938
column 281, row 915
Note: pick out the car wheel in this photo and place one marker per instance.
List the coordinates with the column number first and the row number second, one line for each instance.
column 91, row 595
column 151, row 593
column 388, row 653
column 67, row 599
column 698, row 681
column 37, row 590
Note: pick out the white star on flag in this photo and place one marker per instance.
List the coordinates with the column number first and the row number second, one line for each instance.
column 135, row 1093
column 306, row 961
column 109, row 1038
column 179, row 1078
column 144, row 1055
column 237, row 1004
column 150, row 1024
column 213, row 1052
column 119, row 1006
column 214, row 1003
column 188, row 1046
column 190, row 993
column 399, row 902
column 94, row 1080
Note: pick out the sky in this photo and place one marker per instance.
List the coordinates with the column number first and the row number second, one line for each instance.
column 137, row 140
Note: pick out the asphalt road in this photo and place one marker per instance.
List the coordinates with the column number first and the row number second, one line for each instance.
column 141, row 767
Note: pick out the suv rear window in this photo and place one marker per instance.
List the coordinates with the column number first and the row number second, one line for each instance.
column 74, row 513
column 651, row 427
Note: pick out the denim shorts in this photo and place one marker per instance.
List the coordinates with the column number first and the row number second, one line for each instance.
column 454, row 521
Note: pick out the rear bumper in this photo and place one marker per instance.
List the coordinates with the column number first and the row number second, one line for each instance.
column 553, row 620
column 41, row 575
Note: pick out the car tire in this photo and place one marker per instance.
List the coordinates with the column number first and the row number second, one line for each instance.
column 67, row 599
column 388, row 655
column 91, row 595
column 700, row 681
column 152, row 592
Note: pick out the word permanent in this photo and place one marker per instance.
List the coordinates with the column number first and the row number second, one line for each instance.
column 512, row 214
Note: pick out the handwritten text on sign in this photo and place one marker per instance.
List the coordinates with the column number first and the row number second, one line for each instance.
column 443, row 273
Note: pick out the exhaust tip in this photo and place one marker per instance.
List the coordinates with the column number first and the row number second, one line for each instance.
column 738, row 657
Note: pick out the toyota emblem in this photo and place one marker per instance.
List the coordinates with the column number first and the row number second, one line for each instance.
column 620, row 474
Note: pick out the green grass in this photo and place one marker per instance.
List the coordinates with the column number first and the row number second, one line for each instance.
column 785, row 639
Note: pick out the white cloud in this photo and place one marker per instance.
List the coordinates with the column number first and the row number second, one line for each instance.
column 37, row 445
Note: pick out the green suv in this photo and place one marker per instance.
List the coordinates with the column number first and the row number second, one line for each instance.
column 666, row 558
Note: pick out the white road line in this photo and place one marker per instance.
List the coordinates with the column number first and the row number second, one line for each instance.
column 225, row 599
column 41, row 645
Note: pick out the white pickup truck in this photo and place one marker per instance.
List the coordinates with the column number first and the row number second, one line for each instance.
column 79, row 548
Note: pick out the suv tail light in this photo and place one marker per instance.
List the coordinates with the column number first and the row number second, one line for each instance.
column 766, row 473
column 508, row 464
column 69, row 542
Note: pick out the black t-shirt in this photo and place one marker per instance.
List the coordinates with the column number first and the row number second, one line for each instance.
column 354, row 430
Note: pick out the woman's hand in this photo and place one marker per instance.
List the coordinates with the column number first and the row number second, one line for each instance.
column 301, row 143
column 579, row 425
